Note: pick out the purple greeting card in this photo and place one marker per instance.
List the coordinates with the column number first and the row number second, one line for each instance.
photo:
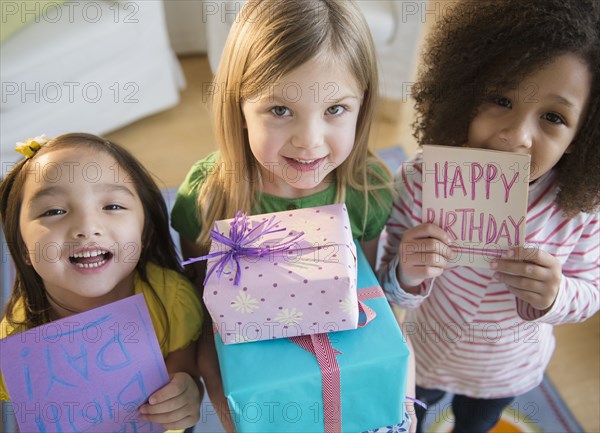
column 86, row 373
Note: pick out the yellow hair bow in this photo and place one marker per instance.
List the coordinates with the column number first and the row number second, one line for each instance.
column 31, row 146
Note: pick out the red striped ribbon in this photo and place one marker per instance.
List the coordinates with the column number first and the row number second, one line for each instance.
column 320, row 346
column 364, row 295
column 372, row 292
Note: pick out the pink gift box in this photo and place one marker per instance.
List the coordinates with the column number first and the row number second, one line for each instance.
column 307, row 288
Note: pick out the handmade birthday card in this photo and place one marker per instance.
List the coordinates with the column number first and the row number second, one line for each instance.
column 86, row 373
column 479, row 197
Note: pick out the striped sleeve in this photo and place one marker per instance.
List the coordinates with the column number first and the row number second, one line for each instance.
column 579, row 295
column 406, row 213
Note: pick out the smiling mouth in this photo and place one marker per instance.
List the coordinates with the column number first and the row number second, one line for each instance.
column 304, row 164
column 304, row 161
column 90, row 259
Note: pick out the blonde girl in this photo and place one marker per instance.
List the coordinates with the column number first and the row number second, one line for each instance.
column 293, row 100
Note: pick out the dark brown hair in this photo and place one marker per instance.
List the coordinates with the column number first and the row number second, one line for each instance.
column 496, row 43
column 158, row 246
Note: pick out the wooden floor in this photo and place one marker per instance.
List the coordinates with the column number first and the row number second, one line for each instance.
column 169, row 142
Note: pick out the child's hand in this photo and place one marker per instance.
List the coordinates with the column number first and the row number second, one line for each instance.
column 531, row 274
column 424, row 253
column 176, row 405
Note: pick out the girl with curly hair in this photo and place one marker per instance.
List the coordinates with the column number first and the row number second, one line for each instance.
column 520, row 76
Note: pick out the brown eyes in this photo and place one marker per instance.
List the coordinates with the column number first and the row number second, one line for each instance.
column 53, row 212
column 555, row 118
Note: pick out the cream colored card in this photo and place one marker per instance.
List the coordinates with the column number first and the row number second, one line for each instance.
column 479, row 197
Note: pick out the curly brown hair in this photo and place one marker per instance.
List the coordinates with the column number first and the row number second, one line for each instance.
column 481, row 44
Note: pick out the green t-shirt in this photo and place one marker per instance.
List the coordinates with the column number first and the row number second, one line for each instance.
column 185, row 216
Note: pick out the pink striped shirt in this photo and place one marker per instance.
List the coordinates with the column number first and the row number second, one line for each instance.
column 471, row 336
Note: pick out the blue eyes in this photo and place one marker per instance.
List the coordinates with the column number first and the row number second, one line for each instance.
column 334, row 110
column 279, row 111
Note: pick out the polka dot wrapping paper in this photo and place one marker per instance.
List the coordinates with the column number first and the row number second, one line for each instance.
column 308, row 288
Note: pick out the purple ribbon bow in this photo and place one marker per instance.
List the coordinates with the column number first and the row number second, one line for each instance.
column 238, row 242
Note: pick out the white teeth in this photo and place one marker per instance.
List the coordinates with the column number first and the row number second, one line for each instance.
column 92, row 253
column 305, row 161
column 90, row 265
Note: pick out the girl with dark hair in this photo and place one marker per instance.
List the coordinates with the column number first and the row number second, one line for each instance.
column 92, row 202
column 519, row 76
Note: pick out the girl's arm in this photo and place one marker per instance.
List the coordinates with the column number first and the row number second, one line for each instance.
column 370, row 250
column 183, row 361
column 208, row 363
column 194, row 271
column 177, row 404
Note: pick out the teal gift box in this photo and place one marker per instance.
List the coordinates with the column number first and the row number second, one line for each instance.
column 275, row 385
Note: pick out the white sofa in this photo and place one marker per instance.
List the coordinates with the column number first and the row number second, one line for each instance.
column 85, row 66
column 395, row 26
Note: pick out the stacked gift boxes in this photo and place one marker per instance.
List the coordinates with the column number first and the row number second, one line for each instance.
column 352, row 380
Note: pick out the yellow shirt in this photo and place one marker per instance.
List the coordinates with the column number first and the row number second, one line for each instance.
column 177, row 295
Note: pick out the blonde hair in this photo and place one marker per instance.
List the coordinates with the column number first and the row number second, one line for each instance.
column 268, row 40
